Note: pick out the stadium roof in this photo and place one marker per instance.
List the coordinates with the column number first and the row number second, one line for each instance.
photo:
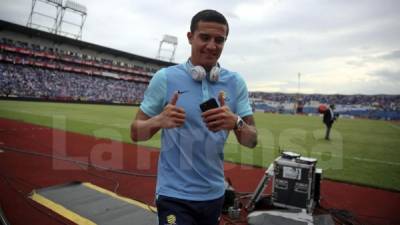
column 5, row 25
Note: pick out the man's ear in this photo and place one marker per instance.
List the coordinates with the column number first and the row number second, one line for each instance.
column 190, row 37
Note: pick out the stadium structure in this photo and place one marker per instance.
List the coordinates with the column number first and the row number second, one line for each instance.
column 69, row 69
column 379, row 107
column 52, row 176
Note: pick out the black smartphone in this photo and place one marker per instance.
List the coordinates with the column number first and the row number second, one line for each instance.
column 209, row 104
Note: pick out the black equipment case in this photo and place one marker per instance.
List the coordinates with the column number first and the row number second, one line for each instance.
column 294, row 182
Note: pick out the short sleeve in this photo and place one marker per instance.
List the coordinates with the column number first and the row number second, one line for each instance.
column 154, row 96
column 243, row 103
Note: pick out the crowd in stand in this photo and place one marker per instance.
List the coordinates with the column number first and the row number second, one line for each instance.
column 34, row 82
column 74, row 55
column 383, row 102
column 29, row 75
column 32, row 70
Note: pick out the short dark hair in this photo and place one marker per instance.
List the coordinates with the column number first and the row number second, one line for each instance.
column 208, row 15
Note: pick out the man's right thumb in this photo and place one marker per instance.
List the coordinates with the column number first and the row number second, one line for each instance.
column 174, row 98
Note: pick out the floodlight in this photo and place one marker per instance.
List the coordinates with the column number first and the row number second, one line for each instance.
column 170, row 40
column 75, row 6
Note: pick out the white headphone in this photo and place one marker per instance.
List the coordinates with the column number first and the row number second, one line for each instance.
column 199, row 73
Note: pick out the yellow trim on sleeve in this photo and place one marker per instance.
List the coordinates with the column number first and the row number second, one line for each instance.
column 76, row 218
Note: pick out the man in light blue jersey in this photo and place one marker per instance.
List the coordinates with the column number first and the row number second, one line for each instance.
column 190, row 181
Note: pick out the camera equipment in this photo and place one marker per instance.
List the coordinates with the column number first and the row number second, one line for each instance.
column 295, row 183
column 295, row 191
column 230, row 196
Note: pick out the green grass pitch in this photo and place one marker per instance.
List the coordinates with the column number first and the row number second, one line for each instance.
column 361, row 151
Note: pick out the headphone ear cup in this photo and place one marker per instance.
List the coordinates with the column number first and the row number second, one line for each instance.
column 214, row 74
column 198, row 73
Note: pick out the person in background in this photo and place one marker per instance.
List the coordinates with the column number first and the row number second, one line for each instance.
column 328, row 119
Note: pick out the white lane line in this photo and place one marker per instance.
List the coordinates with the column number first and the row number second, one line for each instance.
column 395, row 126
column 361, row 159
column 348, row 158
column 376, row 161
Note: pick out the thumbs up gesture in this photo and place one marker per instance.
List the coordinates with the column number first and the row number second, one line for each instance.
column 174, row 99
column 221, row 118
column 172, row 116
column 221, row 98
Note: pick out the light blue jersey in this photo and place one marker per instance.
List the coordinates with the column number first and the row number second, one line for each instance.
column 190, row 166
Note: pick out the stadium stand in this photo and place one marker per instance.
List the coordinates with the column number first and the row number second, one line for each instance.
column 41, row 65
column 386, row 107
column 33, row 82
column 38, row 65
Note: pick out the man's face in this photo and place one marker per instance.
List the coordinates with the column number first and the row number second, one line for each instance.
column 207, row 43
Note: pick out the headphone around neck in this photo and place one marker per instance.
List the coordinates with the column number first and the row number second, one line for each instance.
column 199, row 73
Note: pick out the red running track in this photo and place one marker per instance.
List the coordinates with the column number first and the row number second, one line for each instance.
column 20, row 173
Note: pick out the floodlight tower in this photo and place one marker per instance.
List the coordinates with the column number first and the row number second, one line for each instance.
column 73, row 7
column 168, row 40
column 57, row 4
column 298, row 83
column 298, row 103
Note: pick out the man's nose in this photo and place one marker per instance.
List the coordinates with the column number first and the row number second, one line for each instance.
column 211, row 44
